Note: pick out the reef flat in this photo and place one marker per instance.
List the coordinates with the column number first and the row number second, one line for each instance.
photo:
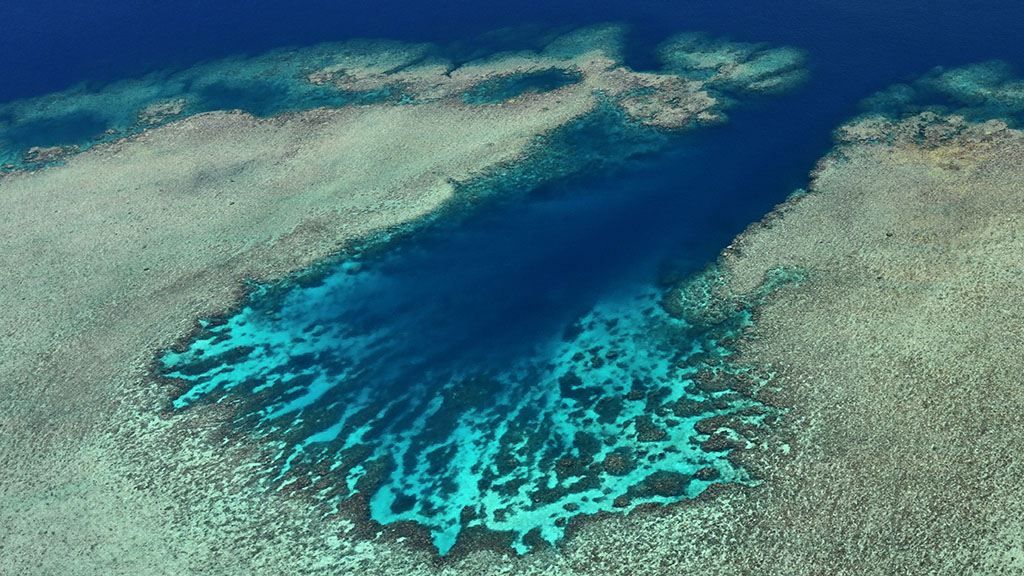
column 155, row 211
column 636, row 402
column 587, row 62
column 898, row 358
column 901, row 353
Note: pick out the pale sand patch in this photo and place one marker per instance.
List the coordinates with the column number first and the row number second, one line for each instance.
column 110, row 257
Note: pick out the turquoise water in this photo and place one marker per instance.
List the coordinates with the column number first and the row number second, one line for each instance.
column 515, row 366
column 501, row 88
column 626, row 405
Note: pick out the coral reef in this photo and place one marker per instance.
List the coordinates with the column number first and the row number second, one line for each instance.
column 132, row 210
column 588, row 421
column 734, row 66
column 585, row 62
column 977, row 92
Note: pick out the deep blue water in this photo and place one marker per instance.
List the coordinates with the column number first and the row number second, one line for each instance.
column 859, row 45
column 856, row 47
column 489, row 288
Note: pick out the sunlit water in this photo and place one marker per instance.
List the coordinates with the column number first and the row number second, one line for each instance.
column 512, row 367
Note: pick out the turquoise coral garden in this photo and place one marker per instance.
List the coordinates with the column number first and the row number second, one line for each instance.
column 636, row 401
column 455, row 381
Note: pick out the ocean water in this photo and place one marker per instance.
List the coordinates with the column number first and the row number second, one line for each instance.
column 515, row 366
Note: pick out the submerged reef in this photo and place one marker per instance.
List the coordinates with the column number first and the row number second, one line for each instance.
column 895, row 354
column 897, row 357
column 632, row 405
column 977, row 92
column 514, row 451
column 585, row 64
column 734, row 66
column 133, row 209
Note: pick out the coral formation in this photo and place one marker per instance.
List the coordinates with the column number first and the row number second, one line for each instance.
column 978, row 92
column 134, row 209
column 525, row 447
column 734, row 66
column 585, row 62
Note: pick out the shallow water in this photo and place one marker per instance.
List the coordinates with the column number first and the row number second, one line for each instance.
column 426, row 371
column 495, row 363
